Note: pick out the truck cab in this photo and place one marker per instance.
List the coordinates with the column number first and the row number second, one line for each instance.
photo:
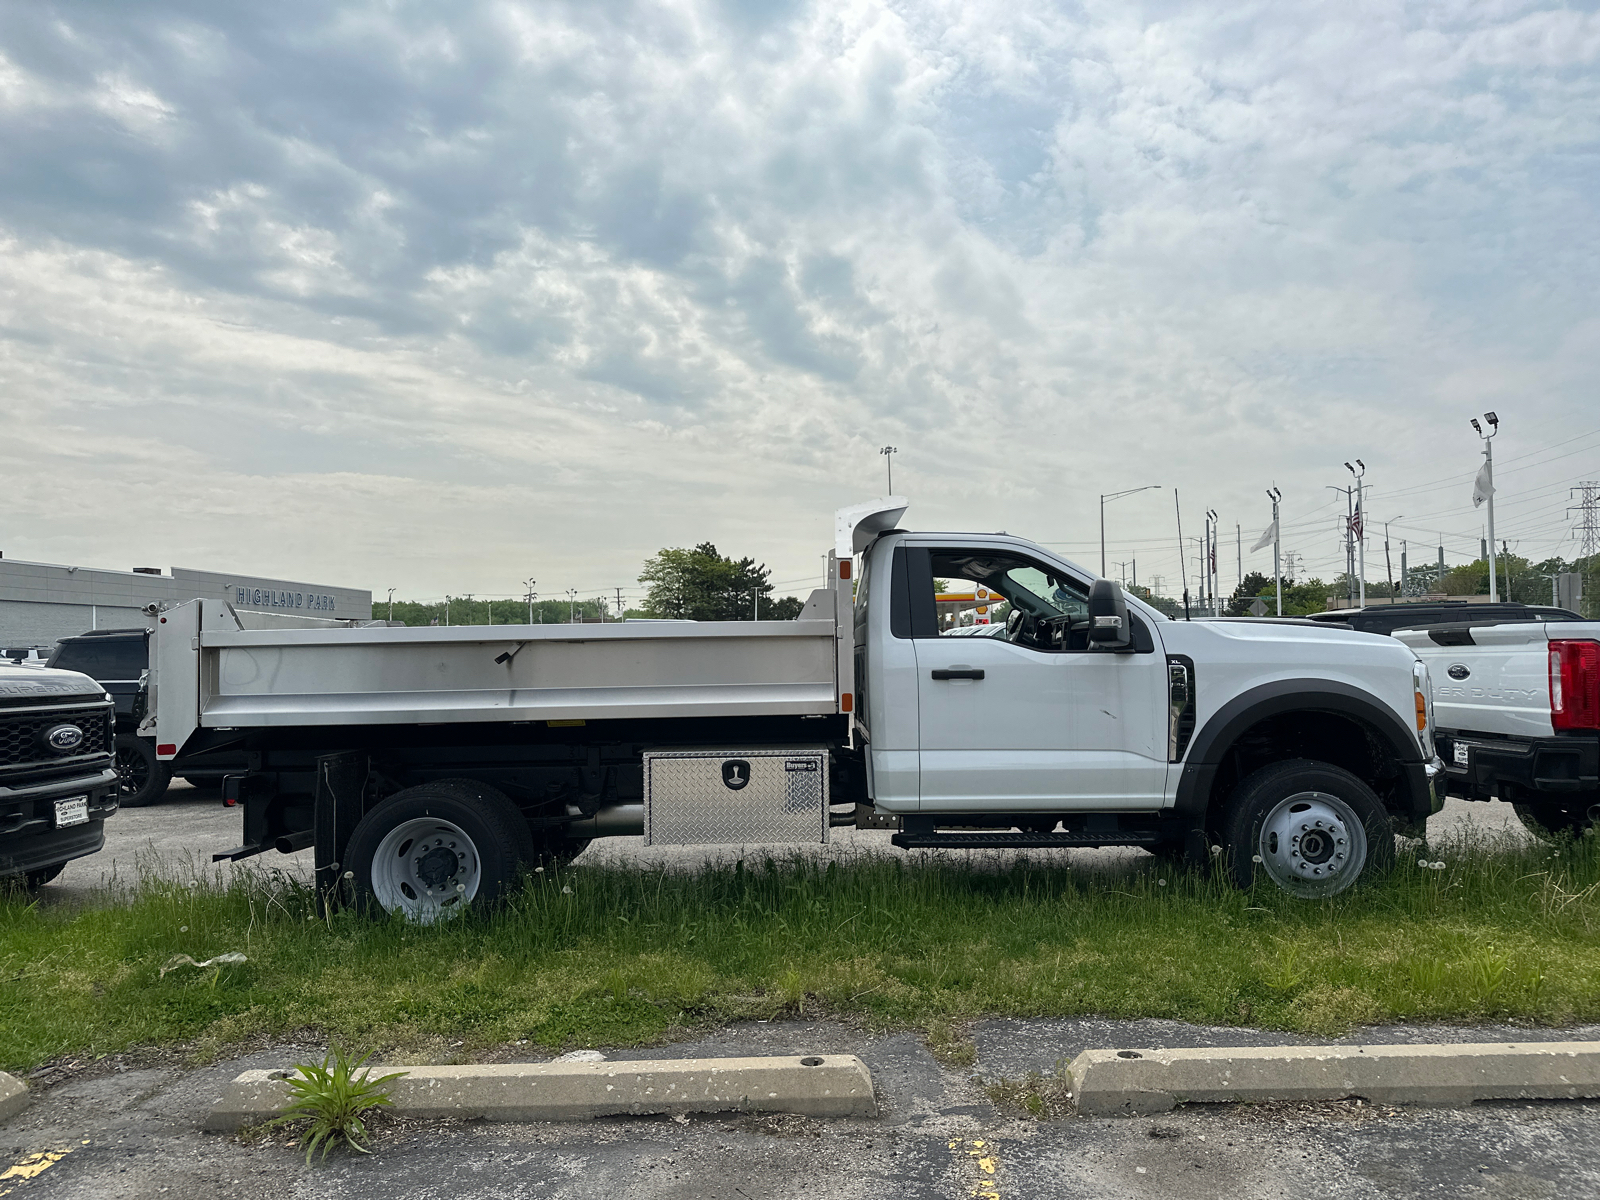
column 1095, row 720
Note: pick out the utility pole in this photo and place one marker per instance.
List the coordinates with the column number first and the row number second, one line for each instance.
column 620, row 614
column 1483, row 489
column 754, row 594
column 1405, row 578
column 888, row 462
column 1388, row 567
column 469, row 608
column 1238, row 538
column 1349, row 550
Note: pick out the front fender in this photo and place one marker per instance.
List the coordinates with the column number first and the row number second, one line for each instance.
column 1212, row 741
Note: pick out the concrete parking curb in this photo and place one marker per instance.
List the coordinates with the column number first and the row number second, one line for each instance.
column 13, row 1096
column 818, row 1085
column 1135, row 1082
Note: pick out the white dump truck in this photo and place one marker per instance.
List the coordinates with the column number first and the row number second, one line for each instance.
column 429, row 767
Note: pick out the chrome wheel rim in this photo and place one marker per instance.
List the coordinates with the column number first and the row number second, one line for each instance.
column 426, row 868
column 1312, row 845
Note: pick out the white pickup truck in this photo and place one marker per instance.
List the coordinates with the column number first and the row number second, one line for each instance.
column 1519, row 715
column 431, row 766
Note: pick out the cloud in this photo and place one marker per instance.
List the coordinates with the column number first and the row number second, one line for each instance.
column 569, row 282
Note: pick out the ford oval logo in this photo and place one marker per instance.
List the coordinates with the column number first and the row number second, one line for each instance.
column 1459, row 671
column 62, row 738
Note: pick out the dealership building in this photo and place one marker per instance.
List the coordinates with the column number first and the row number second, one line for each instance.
column 41, row 603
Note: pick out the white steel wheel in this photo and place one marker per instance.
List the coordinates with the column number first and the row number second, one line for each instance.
column 427, row 868
column 1312, row 845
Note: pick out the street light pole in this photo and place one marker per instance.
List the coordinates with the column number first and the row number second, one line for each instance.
column 1277, row 540
column 528, row 583
column 1488, row 489
column 1104, row 496
column 391, row 604
column 888, row 462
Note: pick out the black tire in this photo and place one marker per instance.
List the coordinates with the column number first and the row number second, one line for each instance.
column 1294, row 824
column 498, row 847
column 1558, row 818
column 142, row 778
column 34, row 880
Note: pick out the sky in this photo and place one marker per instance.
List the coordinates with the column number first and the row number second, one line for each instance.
column 447, row 297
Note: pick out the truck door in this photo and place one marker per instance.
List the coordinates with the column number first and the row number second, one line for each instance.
column 1014, row 716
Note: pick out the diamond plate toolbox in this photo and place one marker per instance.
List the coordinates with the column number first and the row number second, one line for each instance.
column 723, row 797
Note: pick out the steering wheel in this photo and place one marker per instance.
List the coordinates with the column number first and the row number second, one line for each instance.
column 1025, row 629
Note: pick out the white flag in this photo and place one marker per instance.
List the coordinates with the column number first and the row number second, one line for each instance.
column 1267, row 538
column 1482, row 489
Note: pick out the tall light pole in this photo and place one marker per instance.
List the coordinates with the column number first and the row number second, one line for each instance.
column 528, row 583
column 572, row 606
column 1104, row 496
column 1277, row 538
column 1483, row 489
column 391, row 604
column 1359, row 529
column 1211, row 558
column 888, row 462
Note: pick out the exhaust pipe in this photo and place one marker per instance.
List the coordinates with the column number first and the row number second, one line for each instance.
column 289, row 843
column 618, row 820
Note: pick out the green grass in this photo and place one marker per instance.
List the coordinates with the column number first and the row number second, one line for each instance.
column 616, row 955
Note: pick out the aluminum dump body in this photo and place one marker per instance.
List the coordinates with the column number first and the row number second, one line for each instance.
column 211, row 673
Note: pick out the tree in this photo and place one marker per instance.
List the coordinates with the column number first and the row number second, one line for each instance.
column 703, row 585
column 1255, row 584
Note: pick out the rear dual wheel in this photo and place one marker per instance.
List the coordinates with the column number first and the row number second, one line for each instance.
column 430, row 851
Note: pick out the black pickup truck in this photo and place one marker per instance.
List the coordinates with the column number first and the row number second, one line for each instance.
column 57, row 782
column 119, row 659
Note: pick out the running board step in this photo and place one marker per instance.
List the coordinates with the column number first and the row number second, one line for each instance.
column 945, row 839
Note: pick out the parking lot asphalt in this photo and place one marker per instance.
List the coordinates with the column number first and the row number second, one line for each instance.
column 130, row 1129
column 179, row 835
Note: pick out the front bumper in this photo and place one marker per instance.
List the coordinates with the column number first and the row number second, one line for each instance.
column 29, row 839
column 36, row 851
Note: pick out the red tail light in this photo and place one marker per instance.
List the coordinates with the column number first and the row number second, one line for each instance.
column 1575, row 685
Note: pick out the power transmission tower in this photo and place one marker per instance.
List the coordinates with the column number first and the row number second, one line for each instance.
column 1588, row 510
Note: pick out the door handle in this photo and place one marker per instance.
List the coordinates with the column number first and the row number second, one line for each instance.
column 959, row 673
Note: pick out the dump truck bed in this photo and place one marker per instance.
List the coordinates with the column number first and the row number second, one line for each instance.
column 210, row 673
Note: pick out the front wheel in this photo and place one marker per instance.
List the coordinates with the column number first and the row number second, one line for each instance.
column 142, row 778
column 1311, row 828
column 430, row 851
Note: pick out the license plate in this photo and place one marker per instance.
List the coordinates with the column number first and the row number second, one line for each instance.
column 74, row 810
column 1462, row 749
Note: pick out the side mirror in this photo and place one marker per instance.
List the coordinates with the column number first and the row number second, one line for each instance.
column 1109, row 628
